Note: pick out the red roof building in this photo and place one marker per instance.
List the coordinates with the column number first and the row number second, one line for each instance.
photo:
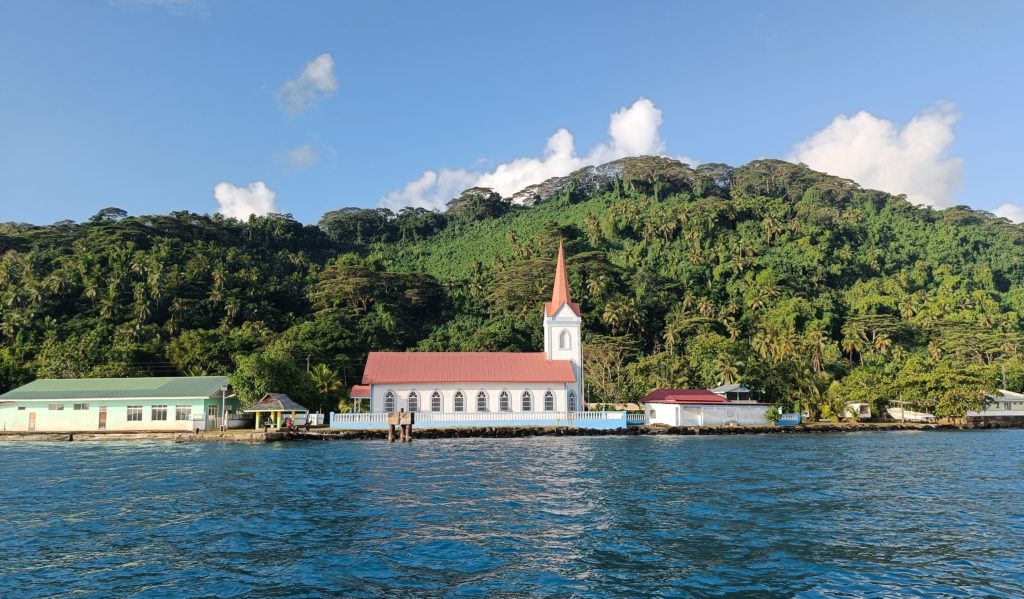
column 464, row 367
column 683, row 397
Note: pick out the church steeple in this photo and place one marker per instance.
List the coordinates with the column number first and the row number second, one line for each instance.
column 560, row 292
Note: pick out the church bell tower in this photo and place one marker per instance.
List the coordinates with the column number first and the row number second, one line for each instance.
column 562, row 334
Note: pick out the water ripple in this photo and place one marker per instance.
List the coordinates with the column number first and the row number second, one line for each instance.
column 851, row 515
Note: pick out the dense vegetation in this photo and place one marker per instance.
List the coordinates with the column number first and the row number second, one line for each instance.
column 804, row 286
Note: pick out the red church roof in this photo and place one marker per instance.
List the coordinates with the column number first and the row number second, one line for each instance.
column 683, row 396
column 465, row 367
column 560, row 291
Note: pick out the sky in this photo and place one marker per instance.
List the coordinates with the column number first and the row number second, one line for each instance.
column 304, row 107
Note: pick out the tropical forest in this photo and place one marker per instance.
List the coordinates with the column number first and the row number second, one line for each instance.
column 808, row 289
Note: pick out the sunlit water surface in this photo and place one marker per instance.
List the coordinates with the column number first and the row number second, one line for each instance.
column 846, row 515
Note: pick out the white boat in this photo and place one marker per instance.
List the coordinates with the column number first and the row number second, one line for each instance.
column 902, row 414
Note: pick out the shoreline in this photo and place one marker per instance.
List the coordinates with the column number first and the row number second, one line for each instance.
column 252, row 437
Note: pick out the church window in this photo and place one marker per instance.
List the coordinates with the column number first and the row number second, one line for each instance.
column 564, row 340
column 549, row 401
column 435, row 401
column 459, row 402
column 481, row 401
column 572, row 401
column 414, row 401
column 527, row 401
column 389, row 401
column 505, row 402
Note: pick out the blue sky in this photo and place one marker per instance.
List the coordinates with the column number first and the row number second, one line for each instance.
column 149, row 105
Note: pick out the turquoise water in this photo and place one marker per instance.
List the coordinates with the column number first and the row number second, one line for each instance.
column 847, row 515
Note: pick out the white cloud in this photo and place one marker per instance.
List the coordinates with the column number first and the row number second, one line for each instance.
column 240, row 202
column 432, row 190
column 877, row 154
column 632, row 131
column 304, row 155
column 317, row 80
column 1012, row 212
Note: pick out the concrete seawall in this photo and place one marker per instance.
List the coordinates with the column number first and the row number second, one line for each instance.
column 499, row 432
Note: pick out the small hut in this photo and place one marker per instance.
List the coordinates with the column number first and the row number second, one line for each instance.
column 273, row 406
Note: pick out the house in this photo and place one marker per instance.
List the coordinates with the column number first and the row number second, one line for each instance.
column 1002, row 403
column 118, row 404
column 733, row 392
column 858, row 410
column 699, row 407
column 542, row 388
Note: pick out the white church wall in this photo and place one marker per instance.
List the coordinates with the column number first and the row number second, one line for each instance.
column 470, row 390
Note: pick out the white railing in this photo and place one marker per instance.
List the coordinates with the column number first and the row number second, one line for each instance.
column 379, row 419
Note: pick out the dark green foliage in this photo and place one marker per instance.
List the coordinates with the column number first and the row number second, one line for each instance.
column 804, row 286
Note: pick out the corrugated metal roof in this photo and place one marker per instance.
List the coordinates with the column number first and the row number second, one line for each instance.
column 683, row 396
column 117, row 388
column 276, row 402
column 360, row 392
column 465, row 367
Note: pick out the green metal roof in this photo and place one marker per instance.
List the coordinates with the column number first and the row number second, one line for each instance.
column 120, row 388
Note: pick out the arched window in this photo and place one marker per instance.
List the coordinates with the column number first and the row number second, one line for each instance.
column 481, row 401
column 414, row 401
column 435, row 401
column 549, row 401
column 565, row 340
column 459, row 402
column 505, row 402
column 572, row 401
column 527, row 401
column 389, row 401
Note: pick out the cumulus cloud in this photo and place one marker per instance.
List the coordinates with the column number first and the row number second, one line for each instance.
column 432, row 190
column 240, row 202
column 317, row 80
column 632, row 131
column 878, row 154
column 304, row 155
column 1011, row 212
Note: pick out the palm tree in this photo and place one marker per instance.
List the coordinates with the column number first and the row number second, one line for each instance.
column 882, row 343
column 817, row 343
column 854, row 339
column 728, row 370
column 325, row 380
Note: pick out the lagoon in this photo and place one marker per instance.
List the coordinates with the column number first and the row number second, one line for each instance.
column 855, row 514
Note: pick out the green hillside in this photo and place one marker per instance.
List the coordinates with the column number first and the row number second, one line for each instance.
column 801, row 285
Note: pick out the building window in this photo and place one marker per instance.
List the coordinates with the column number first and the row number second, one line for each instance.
column 459, row 402
column 481, row 401
column 435, row 401
column 56, row 406
column 134, row 413
column 81, row 406
column 158, row 413
column 183, row 413
column 572, row 401
column 653, row 414
column 414, row 401
column 527, row 401
column 549, row 401
column 389, row 401
column 505, row 402
column 212, row 410
column 564, row 340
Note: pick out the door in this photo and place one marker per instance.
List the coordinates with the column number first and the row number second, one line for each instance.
column 103, row 418
column 31, row 421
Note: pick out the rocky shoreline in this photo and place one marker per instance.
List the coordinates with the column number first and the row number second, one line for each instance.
column 503, row 432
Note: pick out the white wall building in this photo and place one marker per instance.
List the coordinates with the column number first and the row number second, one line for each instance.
column 547, row 384
column 697, row 407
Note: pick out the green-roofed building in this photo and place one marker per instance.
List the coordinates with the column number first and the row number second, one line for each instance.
column 122, row 404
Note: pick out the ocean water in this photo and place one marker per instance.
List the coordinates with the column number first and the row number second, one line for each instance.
column 839, row 515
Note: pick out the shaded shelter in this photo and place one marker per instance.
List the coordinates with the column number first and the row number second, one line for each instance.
column 273, row 406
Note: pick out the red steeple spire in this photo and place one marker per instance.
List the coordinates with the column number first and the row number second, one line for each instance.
column 560, row 292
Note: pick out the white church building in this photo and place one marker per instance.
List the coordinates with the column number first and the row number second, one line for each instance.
column 448, row 389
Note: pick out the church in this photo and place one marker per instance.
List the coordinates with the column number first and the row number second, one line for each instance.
column 483, row 385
